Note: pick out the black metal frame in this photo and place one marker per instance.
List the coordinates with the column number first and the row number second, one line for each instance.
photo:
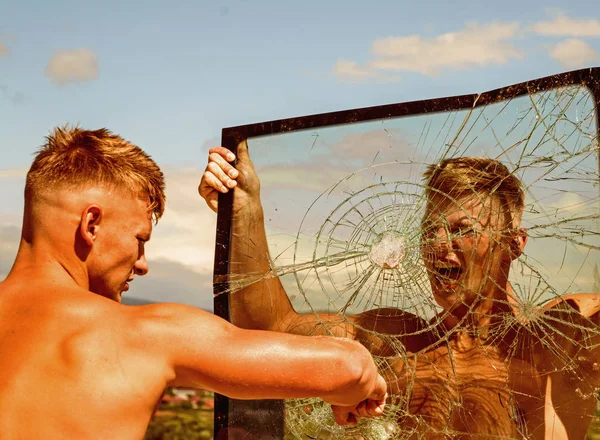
column 232, row 136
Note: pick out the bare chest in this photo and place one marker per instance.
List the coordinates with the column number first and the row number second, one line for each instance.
column 447, row 392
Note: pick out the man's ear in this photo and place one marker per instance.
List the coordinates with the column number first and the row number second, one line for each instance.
column 89, row 226
column 517, row 243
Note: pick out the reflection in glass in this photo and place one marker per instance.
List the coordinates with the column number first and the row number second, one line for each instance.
column 480, row 311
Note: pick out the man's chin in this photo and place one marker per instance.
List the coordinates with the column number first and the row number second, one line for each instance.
column 444, row 298
column 114, row 296
column 446, row 291
column 450, row 299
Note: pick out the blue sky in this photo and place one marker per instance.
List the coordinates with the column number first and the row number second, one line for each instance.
column 170, row 76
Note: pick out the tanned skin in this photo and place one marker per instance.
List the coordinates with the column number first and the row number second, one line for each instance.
column 76, row 364
column 463, row 377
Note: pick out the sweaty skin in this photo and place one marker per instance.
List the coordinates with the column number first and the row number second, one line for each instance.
column 463, row 377
column 76, row 364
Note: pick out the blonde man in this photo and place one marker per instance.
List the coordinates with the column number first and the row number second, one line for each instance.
column 484, row 366
column 77, row 364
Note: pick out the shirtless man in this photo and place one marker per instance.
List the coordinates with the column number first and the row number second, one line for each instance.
column 76, row 364
column 484, row 366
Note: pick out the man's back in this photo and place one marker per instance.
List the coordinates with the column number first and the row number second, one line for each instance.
column 76, row 365
column 70, row 366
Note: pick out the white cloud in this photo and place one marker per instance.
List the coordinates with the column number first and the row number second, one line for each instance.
column 72, row 66
column 564, row 26
column 574, row 53
column 351, row 71
column 3, row 49
column 380, row 145
column 300, row 176
column 474, row 46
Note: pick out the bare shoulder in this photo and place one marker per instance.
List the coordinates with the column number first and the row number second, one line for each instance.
column 86, row 325
column 149, row 341
column 165, row 322
column 174, row 330
column 85, row 342
column 588, row 304
column 380, row 330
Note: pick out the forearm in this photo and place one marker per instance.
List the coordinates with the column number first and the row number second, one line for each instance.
column 257, row 300
column 339, row 371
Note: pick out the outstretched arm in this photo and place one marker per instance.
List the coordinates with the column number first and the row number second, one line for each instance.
column 205, row 351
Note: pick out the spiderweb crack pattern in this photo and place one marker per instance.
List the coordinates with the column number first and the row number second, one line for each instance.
column 486, row 353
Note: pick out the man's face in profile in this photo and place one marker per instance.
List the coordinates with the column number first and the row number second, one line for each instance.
column 463, row 250
column 119, row 252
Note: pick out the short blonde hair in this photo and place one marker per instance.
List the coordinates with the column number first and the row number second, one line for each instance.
column 73, row 157
column 468, row 176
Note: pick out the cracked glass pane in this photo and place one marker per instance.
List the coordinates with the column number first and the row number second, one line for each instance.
column 460, row 247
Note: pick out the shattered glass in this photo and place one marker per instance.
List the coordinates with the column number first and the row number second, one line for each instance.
column 360, row 242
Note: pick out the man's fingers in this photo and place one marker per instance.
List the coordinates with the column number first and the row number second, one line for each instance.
column 343, row 416
column 374, row 408
column 209, row 184
column 381, row 403
column 216, row 178
column 369, row 408
column 351, row 420
column 361, row 410
column 380, row 391
column 223, row 152
column 220, row 175
column 217, row 160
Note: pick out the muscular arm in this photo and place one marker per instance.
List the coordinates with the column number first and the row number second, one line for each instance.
column 262, row 303
column 204, row 351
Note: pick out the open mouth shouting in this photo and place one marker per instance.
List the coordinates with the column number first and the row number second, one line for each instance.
column 446, row 274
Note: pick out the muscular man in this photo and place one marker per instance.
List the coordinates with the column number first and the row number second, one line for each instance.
column 78, row 364
column 485, row 365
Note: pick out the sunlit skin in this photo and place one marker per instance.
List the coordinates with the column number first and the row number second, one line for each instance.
column 78, row 364
column 121, row 255
column 467, row 246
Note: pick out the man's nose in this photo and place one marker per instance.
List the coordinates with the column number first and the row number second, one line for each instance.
column 141, row 266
